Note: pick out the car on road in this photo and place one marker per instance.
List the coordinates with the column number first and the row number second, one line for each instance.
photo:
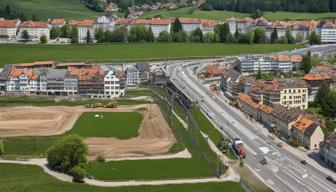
column 303, row 162
column 331, row 179
column 263, row 161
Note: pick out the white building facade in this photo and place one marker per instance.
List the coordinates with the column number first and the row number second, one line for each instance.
column 35, row 30
column 9, row 28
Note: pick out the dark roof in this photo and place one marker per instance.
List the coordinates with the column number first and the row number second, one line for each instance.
column 286, row 114
column 310, row 130
column 331, row 141
column 5, row 72
column 142, row 67
column 159, row 80
column 232, row 74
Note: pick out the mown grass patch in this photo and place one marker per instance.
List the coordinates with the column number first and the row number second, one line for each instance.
column 122, row 125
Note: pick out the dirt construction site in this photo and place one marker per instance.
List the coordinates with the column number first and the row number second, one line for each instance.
column 154, row 134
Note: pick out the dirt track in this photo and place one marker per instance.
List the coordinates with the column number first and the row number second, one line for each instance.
column 155, row 136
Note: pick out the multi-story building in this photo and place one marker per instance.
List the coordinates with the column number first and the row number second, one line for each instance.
column 242, row 25
column 22, row 80
column 104, row 22
column 315, row 81
column 252, row 64
column 328, row 33
column 328, row 150
column 290, row 93
column 85, row 27
column 190, row 24
column 144, row 71
column 157, row 25
column 35, row 29
column 9, row 28
column 133, row 76
column 208, row 26
column 57, row 22
column 307, row 132
column 112, row 86
column 6, row 70
column 229, row 81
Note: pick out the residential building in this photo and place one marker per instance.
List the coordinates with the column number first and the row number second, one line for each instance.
column 242, row 25
column 35, row 29
column 290, row 93
column 144, row 70
column 105, row 23
column 85, row 27
column 57, row 22
column 208, row 26
column 6, row 70
column 35, row 65
column 157, row 25
column 315, row 81
column 90, row 81
column 308, row 132
column 9, row 28
column 328, row 33
column 190, row 24
column 328, row 150
column 133, row 76
column 283, row 119
column 112, row 87
column 22, row 80
column 228, row 83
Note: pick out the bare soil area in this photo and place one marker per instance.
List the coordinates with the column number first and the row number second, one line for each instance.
column 155, row 136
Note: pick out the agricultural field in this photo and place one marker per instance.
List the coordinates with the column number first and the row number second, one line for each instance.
column 45, row 9
column 129, row 52
column 33, row 179
column 193, row 12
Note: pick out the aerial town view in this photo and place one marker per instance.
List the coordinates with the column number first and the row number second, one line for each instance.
column 168, row 95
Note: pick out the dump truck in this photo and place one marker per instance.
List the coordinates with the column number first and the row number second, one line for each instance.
column 239, row 148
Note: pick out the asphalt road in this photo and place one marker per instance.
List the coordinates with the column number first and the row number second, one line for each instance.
column 283, row 172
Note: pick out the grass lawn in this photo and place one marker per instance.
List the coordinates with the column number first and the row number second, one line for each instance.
column 193, row 12
column 330, row 128
column 28, row 178
column 206, row 126
column 45, row 9
column 122, row 125
column 119, row 52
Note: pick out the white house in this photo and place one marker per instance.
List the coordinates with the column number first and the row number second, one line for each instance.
column 190, row 24
column 112, row 85
column 9, row 28
column 22, row 80
column 207, row 26
column 328, row 33
column 85, row 26
column 105, row 23
column 35, row 29
column 159, row 25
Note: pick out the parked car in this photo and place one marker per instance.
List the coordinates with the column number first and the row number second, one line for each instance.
column 263, row 161
column 303, row 162
column 329, row 178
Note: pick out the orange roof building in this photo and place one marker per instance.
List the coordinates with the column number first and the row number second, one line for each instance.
column 7, row 23
column 57, row 22
column 34, row 24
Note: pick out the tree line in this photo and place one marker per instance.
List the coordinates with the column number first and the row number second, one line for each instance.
column 250, row 6
column 9, row 13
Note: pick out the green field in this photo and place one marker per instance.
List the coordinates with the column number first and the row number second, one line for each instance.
column 28, row 178
column 117, row 52
column 122, row 125
column 223, row 15
column 45, row 9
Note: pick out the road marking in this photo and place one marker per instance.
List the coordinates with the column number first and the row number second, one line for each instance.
column 270, row 182
column 327, row 187
column 286, row 183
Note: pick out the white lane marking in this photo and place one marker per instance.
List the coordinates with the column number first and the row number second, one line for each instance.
column 270, row 182
column 286, row 183
column 325, row 186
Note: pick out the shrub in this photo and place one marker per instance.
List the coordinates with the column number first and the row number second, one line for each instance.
column 43, row 39
column 100, row 158
column 78, row 174
column 2, row 148
column 67, row 153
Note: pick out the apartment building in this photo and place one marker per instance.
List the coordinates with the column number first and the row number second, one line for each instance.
column 85, row 27
column 328, row 150
column 157, row 25
column 190, row 24
column 22, row 80
column 133, row 76
column 208, row 26
column 293, row 124
column 112, row 86
column 229, row 83
column 290, row 93
column 6, row 70
column 315, row 81
column 242, row 25
column 328, row 33
column 105, row 23
column 35, row 29
column 144, row 71
column 9, row 28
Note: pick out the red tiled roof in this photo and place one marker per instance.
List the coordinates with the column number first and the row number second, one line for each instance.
column 57, row 22
column 8, row 23
column 316, row 77
column 189, row 20
column 85, row 23
column 302, row 123
column 34, row 24
column 160, row 22
column 17, row 72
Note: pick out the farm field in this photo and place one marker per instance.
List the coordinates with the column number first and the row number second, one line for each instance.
column 128, row 52
column 223, row 15
column 122, row 125
column 32, row 179
column 45, row 9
